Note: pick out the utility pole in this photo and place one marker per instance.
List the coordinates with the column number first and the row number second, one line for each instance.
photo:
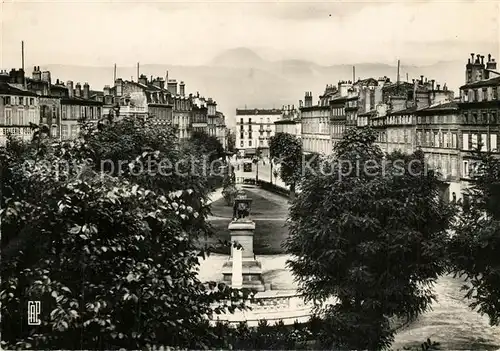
column 353, row 74
column 114, row 75
column 22, row 59
column 398, row 73
column 137, row 71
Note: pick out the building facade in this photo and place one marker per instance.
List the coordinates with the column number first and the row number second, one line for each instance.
column 480, row 109
column 254, row 129
column 18, row 108
column 438, row 136
column 76, row 108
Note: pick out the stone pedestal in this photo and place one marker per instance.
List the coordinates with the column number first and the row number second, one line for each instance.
column 242, row 232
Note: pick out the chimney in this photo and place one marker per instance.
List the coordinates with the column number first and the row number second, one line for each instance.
column 472, row 57
column 172, row 86
column 438, row 86
column 37, row 75
column 482, row 59
column 432, row 82
column 491, row 65
column 119, row 87
column 421, row 79
column 468, row 61
column 300, row 103
column 78, row 90
column 19, row 76
column 69, row 84
column 86, row 91
column 477, row 58
column 46, row 77
column 143, row 79
column 308, row 99
column 159, row 83
column 107, row 90
column 182, row 89
column 489, row 57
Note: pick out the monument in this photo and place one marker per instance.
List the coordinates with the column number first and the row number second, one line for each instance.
column 242, row 270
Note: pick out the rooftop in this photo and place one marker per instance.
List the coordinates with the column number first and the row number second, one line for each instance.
column 7, row 89
column 483, row 83
column 256, row 111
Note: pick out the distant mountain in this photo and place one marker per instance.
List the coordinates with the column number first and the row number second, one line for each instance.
column 239, row 57
column 239, row 77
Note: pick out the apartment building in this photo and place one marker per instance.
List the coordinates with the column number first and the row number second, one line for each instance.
column 18, row 108
column 254, row 129
column 315, row 123
column 76, row 108
column 438, row 136
column 480, row 109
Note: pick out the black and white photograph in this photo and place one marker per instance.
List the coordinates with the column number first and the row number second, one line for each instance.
column 250, row 175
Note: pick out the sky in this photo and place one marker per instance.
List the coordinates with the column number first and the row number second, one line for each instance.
column 100, row 33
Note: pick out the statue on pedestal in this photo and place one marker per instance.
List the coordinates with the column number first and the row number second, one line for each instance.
column 241, row 207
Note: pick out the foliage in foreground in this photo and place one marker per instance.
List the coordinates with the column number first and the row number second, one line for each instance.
column 375, row 240
column 112, row 257
column 475, row 247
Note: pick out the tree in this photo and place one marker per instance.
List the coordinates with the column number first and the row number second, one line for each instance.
column 371, row 232
column 256, row 159
column 112, row 257
column 286, row 150
column 474, row 248
column 208, row 144
column 231, row 142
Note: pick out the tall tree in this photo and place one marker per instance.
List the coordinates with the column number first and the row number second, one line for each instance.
column 286, row 150
column 231, row 142
column 208, row 144
column 475, row 247
column 370, row 232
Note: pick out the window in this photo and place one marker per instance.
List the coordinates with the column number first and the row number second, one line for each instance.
column 242, row 136
column 493, row 117
column 8, row 117
column 493, row 142
column 494, row 91
column 250, row 143
column 241, row 143
column 465, row 141
column 261, row 142
column 484, row 142
column 474, row 141
column 466, row 169
column 476, row 95
column 446, row 140
column 64, row 132
column 21, row 117
column 419, row 137
column 21, row 100
column 54, row 112
column 436, row 139
column 474, row 117
column 241, row 122
column 250, row 121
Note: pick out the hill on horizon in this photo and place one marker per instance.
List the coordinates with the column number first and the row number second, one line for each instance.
column 240, row 77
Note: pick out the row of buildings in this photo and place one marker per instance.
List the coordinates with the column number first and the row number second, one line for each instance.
column 407, row 116
column 61, row 107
